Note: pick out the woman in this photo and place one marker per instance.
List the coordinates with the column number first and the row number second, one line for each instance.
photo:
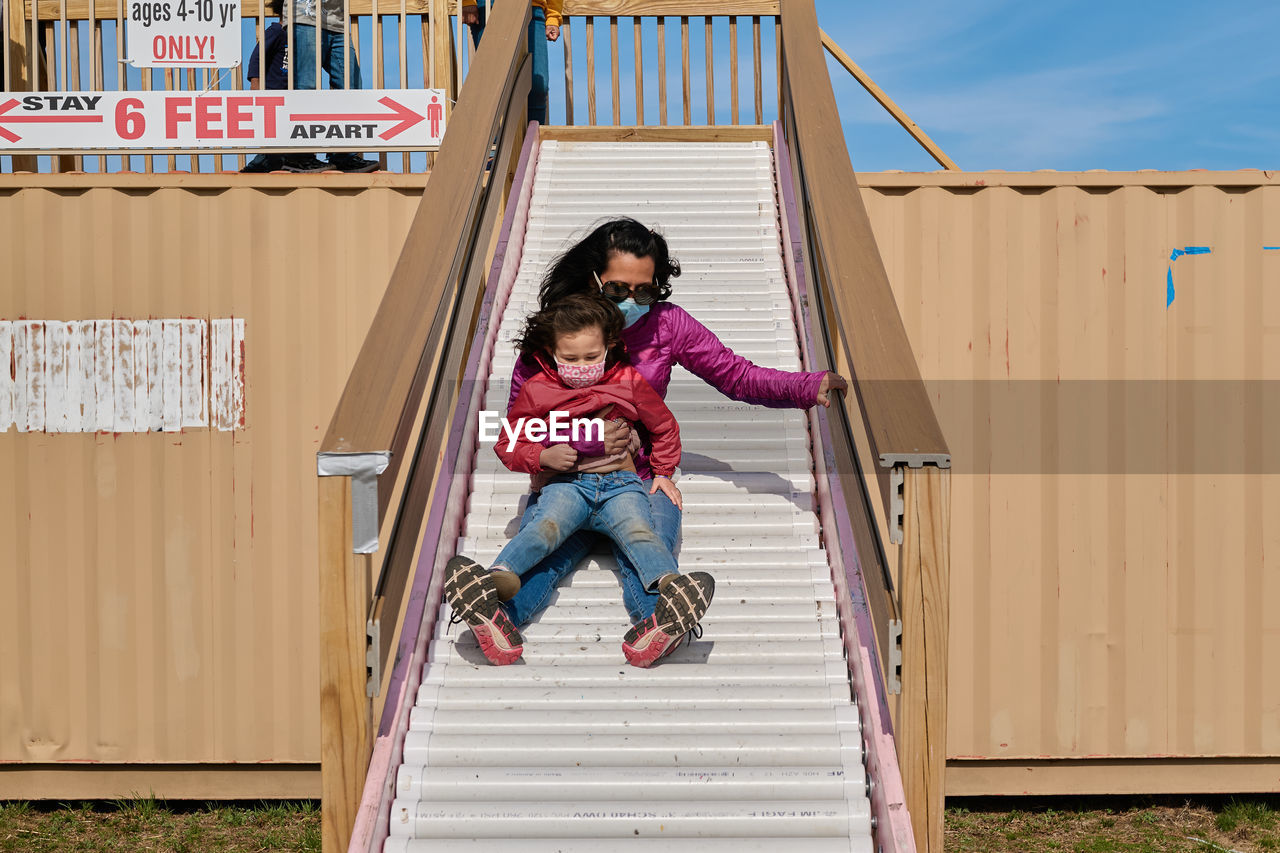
column 630, row 264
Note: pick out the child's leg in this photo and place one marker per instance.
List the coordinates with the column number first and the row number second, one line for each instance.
column 540, row 581
column 474, row 592
column 665, row 517
column 624, row 515
column 561, row 510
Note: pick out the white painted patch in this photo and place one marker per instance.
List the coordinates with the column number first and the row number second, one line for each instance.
column 88, row 374
column 104, row 352
column 6, row 376
column 122, row 375
column 37, row 378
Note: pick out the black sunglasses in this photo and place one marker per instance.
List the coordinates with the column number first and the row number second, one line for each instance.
column 619, row 291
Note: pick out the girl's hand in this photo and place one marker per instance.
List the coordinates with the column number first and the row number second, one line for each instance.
column 617, row 437
column 830, row 382
column 558, row 457
column 669, row 489
column 553, row 32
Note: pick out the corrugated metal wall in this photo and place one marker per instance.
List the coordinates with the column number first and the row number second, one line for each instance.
column 158, row 593
column 1114, row 569
column 157, row 590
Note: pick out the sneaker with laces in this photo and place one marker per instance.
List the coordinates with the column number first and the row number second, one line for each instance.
column 264, row 163
column 472, row 592
column 351, row 163
column 682, row 601
column 303, row 163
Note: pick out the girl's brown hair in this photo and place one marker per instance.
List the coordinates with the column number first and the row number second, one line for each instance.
column 569, row 315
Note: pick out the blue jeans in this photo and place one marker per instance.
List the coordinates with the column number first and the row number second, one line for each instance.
column 540, row 86
column 333, row 58
column 541, row 581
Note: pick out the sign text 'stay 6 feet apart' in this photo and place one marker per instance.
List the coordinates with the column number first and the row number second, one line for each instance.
column 344, row 119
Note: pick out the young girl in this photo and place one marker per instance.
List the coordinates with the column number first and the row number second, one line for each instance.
column 584, row 373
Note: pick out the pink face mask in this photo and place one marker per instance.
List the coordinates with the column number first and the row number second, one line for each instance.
column 580, row 375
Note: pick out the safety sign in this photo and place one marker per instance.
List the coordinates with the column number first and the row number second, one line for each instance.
column 183, row 33
column 326, row 119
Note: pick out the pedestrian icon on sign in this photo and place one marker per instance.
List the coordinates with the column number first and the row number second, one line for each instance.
column 435, row 114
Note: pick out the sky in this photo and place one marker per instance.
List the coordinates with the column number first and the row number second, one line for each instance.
column 997, row 84
column 1051, row 84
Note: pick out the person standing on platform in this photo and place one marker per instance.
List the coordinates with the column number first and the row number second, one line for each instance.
column 329, row 48
column 544, row 26
column 269, row 69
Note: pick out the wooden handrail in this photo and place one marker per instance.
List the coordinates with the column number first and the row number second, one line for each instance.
column 399, row 394
column 82, row 10
column 106, row 10
column 899, row 114
column 865, row 329
column 901, row 423
column 656, row 8
column 377, row 395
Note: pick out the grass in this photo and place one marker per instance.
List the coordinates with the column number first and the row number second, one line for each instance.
column 1053, row 825
column 1114, row 825
column 147, row 824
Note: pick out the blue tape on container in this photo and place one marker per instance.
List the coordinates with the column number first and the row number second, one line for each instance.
column 1173, row 256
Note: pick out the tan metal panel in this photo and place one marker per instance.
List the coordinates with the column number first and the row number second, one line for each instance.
column 1093, row 614
column 1098, row 613
column 161, row 587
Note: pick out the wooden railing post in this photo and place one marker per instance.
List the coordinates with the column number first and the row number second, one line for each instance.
column 346, row 731
column 442, row 52
column 902, row 430
column 18, row 53
column 921, row 732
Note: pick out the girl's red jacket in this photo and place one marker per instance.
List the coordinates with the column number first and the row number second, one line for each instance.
column 622, row 387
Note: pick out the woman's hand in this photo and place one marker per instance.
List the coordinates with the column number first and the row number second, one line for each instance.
column 617, row 437
column 553, row 32
column 669, row 489
column 830, row 382
column 558, row 457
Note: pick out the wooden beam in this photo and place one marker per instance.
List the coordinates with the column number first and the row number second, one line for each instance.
column 18, row 59
column 377, row 395
column 80, row 10
column 900, row 420
column 921, row 730
column 448, row 359
column 659, row 133
column 79, row 781
column 1112, row 776
column 649, row 8
column 442, row 52
column 346, row 714
column 888, row 103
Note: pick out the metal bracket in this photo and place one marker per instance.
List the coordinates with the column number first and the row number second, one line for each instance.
column 372, row 631
column 897, row 504
column 363, row 469
column 915, row 460
column 895, row 656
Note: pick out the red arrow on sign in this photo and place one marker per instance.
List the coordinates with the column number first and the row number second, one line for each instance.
column 407, row 117
column 13, row 137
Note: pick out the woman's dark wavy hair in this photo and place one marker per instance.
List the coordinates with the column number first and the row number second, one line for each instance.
column 571, row 272
column 573, row 314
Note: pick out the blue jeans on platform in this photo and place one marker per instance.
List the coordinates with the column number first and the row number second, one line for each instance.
column 334, row 55
column 539, row 582
column 540, row 86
